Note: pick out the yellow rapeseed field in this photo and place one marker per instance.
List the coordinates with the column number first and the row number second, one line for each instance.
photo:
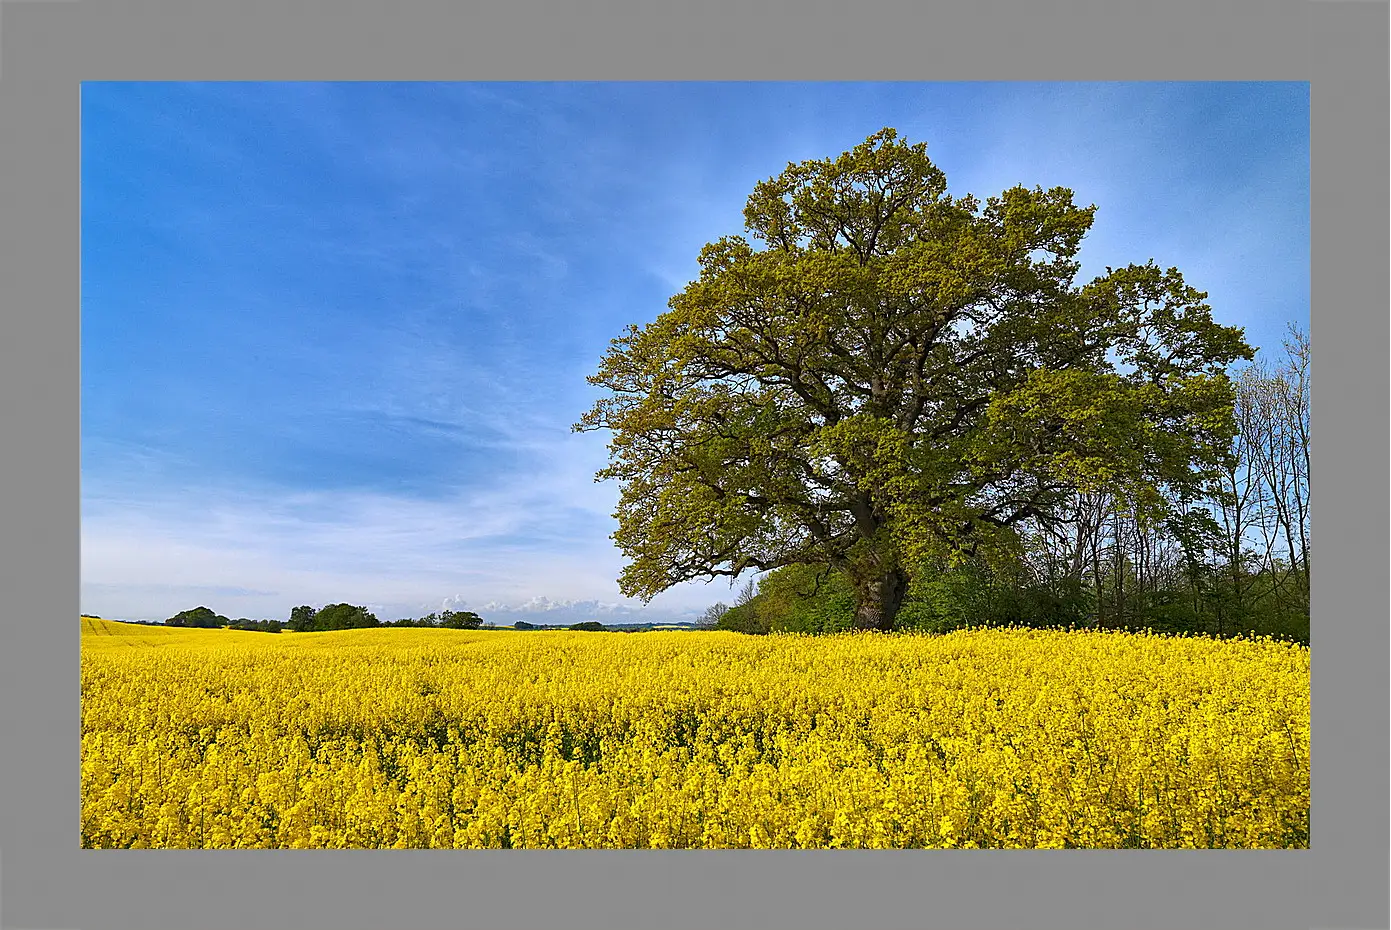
column 438, row 738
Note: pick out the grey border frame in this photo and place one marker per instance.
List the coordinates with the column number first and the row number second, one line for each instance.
column 47, row 48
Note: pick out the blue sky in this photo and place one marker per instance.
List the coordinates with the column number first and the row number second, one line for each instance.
column 334, row 335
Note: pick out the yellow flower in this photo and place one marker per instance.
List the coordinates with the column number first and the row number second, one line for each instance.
column 431, row 738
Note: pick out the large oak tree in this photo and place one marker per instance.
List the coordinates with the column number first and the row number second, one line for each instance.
column 883, row 374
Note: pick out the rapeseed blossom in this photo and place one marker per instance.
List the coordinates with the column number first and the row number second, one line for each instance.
column 410, row 738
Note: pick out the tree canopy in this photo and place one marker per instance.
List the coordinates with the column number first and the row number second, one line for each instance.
column 882, row 374
column 460, row 620
column 305, row 619
column 202, row 617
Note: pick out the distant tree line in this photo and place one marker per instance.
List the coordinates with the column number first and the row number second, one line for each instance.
column 1232, row 560
column 257, row 626
column 592, row 626
column 444, row 620
column 207, row 619
column 306, row 619
column 351, row 617
column 200, row 617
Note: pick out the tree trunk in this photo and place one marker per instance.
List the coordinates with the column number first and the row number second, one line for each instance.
column 1100, row 620
column 878, row 601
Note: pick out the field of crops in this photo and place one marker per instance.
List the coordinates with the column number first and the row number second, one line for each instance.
column 439, row 738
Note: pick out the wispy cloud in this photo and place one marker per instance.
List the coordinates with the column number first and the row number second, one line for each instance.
column 530, row 543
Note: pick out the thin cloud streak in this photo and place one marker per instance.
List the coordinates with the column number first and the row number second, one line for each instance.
column 516, row 545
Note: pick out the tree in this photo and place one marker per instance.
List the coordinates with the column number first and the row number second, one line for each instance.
column 1276, row 405
column 802, row 599
column 591, row 626
column 301, row 619
column 460, row 620
column 257, row 626
column 331, row 617
column 744, row 617
column 344, row 617
column 712, row 616
column 887, row 374
column 200, row 617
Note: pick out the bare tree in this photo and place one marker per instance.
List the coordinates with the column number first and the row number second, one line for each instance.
column 1279, row 403
column 712, row 616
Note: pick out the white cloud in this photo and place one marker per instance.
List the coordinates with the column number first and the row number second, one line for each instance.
column 523, row 544
column 542, row 604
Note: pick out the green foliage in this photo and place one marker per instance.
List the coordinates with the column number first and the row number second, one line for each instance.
column 205, row 618
column 973, row 594
column 805, row 599
column 460, row 620
column 331, row 617
column 743, row 619
column 523, row 625
column 301, row 619
column 448, row 619
column 593, row 626
column 201, row 617
column 257, row 626
column 884, row 375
